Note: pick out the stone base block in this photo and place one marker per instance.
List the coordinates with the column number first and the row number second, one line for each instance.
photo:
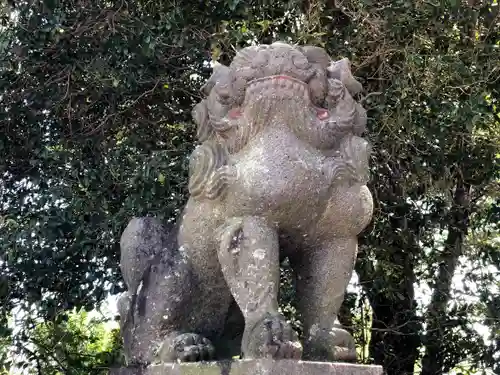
column 254, row 367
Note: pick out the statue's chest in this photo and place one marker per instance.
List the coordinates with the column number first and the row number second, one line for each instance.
column 276, row 171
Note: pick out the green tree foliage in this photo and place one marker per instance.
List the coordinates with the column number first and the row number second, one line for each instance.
column 95, row 101
column 78, row 345
column 5, row 343
column 435, row 132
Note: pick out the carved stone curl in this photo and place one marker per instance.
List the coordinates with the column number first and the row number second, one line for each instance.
column 281, row 171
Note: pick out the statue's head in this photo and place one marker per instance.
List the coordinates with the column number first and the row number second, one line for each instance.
column 299, row 86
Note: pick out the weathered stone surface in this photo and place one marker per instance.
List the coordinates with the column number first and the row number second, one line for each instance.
column 255, row 367
column 281, row 171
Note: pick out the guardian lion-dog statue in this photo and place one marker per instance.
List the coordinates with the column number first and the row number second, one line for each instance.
column 281, row 171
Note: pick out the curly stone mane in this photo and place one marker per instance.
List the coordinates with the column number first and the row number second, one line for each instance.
column 303, row 83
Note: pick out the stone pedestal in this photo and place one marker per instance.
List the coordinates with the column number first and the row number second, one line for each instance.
column 254, row 367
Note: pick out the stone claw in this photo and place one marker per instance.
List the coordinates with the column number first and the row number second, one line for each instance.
column 335, row 344
column 186, row 347
column 273, row 338
column 191, row 347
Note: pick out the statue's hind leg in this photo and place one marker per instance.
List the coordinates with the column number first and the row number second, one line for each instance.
column 323, row 273
column 211, row 298
column 155, row 313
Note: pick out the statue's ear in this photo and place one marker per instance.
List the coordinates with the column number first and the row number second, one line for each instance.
column 200, row 115
column 220, row 72
column 207, row 87
column 316, row 55
column 341, row 70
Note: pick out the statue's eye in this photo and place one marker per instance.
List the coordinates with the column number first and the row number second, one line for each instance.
column 322, row 114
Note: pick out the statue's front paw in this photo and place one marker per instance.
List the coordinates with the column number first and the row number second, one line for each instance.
column 335, row 344
column 186, row 347
column 272, row 337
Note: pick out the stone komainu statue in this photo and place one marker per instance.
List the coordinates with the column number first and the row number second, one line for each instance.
column 281, row 172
